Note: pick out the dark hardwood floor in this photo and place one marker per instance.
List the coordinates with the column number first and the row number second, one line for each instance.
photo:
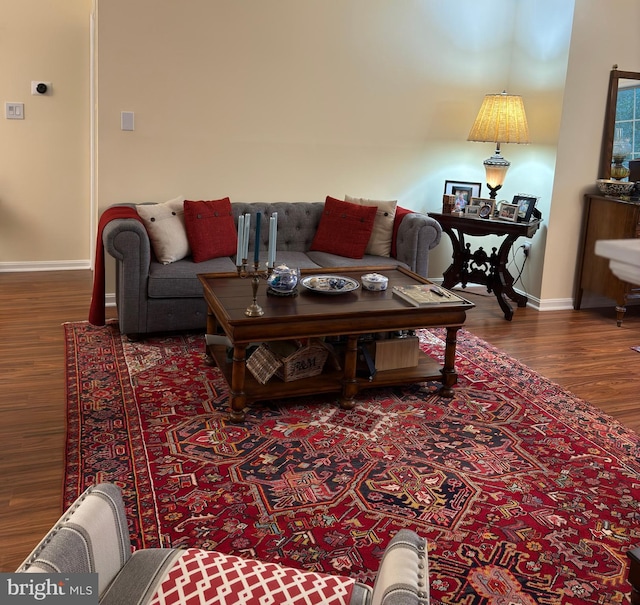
column 584, row 351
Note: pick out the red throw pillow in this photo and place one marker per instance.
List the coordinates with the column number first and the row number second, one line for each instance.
column 210, row 229
column 400, row 214
column 344, row 228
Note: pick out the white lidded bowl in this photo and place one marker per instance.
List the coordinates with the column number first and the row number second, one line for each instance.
column 374, row 282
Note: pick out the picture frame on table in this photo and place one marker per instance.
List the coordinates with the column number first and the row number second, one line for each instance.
column 526, row 205
column 508, row 211
column 463, row 192
column 472, row 210
column 486, row 206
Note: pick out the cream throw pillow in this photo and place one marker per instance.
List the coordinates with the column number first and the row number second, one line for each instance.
column 164, row 223
column 382, row 234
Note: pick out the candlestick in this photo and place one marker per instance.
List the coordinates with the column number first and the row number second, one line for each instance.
column 274, row 247
column 247, row 225
column 271, row 242
column 256, row 251
column 240, row 247
column 254, row 309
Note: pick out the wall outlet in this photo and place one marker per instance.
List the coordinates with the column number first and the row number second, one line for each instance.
column 526, row 248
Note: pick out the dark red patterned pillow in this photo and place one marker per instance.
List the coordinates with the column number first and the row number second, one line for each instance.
column 344, row 228
column 210, row 229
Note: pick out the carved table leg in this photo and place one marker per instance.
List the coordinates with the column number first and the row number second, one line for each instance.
column 455, row 274
column 502, row 281
column 349, row 381
column 634, row 575
column 449, row 374
column 237, row 397
column 212, row 328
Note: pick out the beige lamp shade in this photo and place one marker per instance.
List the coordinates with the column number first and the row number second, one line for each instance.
column 501, row 119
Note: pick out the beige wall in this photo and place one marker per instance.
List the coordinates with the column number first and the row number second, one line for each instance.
column 291, row 100
column 44, row 159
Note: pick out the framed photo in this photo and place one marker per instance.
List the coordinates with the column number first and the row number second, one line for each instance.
column 486, row 206
column 508, row 212
column 526, row 204
column 463, row 192
column 472, row 210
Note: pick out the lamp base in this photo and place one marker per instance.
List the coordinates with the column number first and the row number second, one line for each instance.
column 493, row 191
column 496, row 168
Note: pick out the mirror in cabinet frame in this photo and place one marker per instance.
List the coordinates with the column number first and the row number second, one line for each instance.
column 622, row 115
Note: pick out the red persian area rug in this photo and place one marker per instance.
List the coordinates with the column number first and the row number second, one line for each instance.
column 526, row 494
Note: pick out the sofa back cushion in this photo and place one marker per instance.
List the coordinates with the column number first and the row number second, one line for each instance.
column 297, row 223
column 210, row 229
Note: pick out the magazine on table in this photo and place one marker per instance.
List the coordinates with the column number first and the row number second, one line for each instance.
column 426, row 295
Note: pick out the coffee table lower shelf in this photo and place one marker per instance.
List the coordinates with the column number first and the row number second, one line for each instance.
column 330, row 381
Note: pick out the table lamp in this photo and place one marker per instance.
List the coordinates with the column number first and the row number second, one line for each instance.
column 501, row 119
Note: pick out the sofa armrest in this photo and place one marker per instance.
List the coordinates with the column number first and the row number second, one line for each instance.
column 417, row 234
column 127, row 241
column 403, row 577
column 91, row 537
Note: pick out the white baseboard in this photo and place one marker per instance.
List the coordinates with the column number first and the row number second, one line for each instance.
column 552, row 304
column 69, row 265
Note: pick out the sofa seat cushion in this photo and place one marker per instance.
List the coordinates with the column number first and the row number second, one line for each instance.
column 195, row 576
column 301, row 260
column 179, row 279
column 326, row 259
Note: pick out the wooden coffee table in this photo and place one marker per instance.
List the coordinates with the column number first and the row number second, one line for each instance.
column 311, row 314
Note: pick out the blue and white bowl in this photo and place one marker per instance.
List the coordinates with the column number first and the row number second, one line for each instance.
column 283, row 279
column 374, row 282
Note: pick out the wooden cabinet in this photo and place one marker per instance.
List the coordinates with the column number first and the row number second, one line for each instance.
column 605, row 218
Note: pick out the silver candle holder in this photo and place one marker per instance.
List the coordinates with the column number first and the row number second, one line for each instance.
column 254, row 309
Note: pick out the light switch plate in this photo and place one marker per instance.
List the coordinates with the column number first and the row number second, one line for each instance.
column 14, row 111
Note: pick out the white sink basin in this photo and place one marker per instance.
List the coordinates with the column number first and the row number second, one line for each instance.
column 624, row 257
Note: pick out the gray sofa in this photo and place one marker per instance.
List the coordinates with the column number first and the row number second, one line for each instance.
column 154, row 297
column 92, row 537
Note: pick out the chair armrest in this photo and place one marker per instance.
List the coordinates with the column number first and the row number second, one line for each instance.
column 92, row 536
column 417, row 234
column 403, row 577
